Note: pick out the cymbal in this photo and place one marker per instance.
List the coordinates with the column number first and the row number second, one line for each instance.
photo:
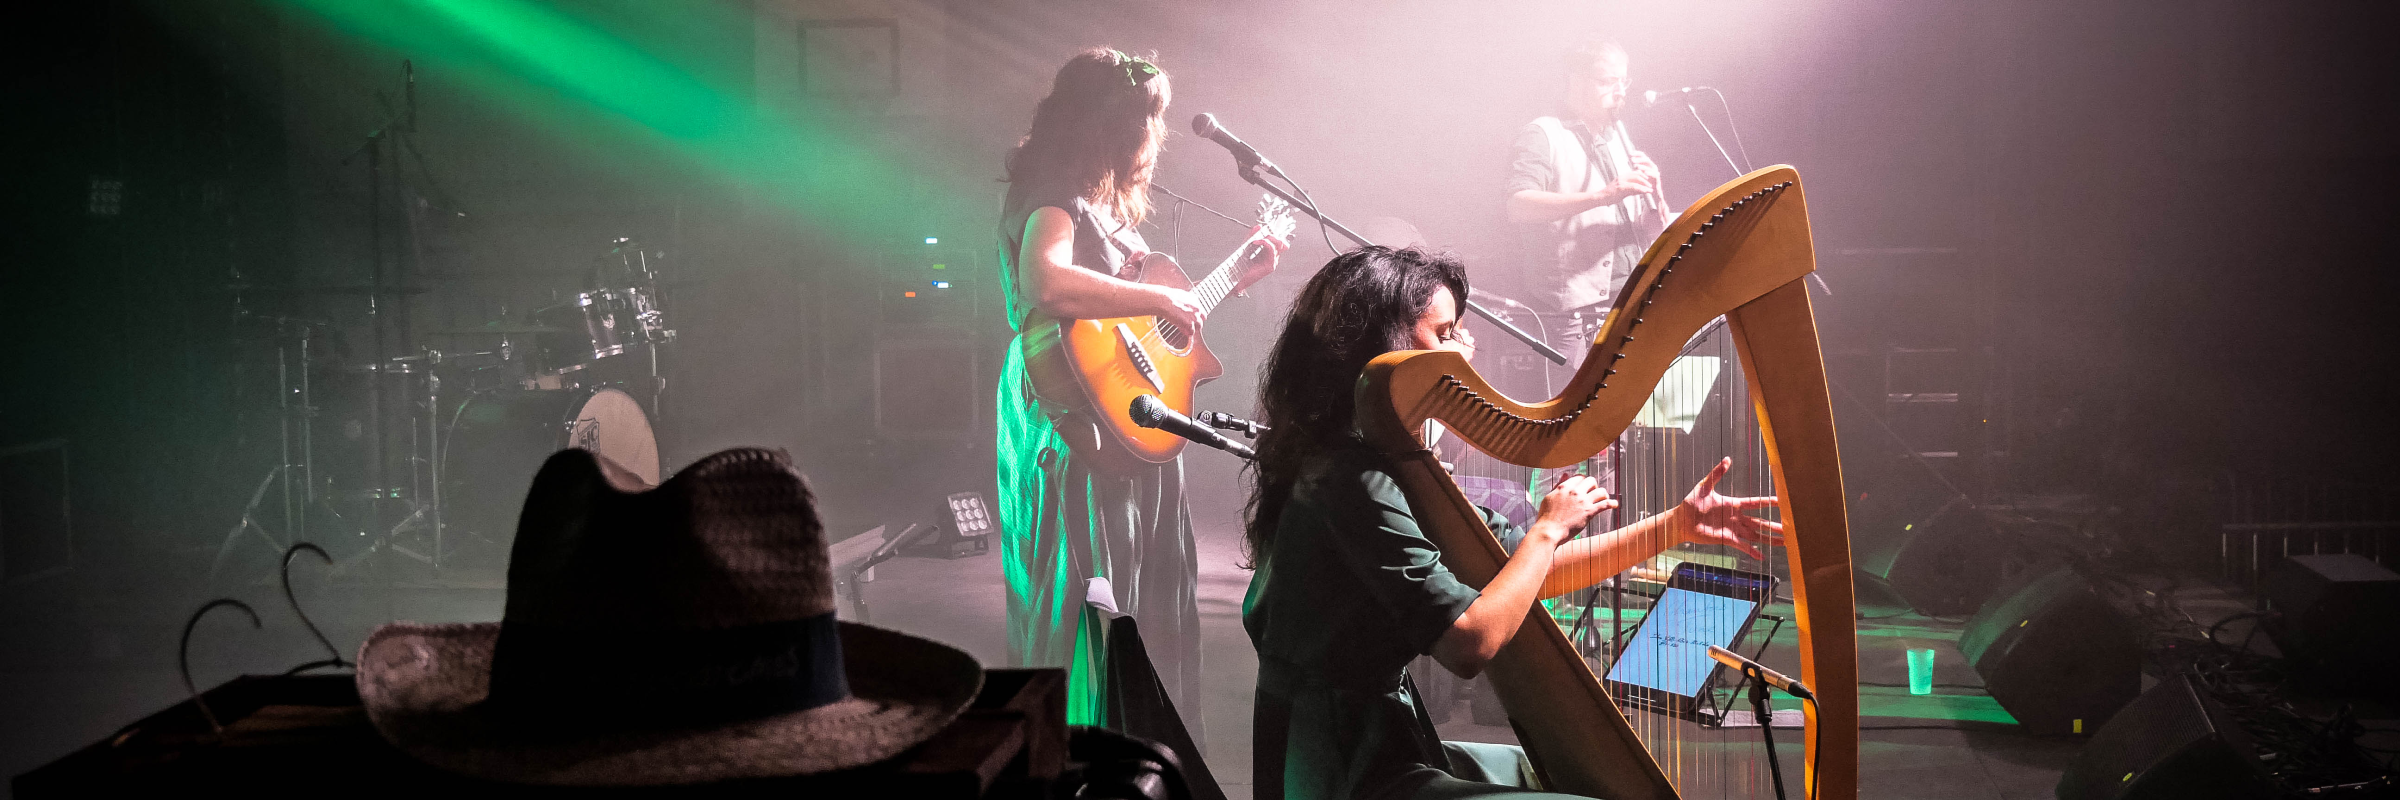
column 496, row 330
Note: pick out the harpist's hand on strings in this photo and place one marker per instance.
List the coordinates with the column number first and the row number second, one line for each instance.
column 1567, row 507
column 1717, row 519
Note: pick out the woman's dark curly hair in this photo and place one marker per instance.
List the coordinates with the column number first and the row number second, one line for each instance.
column 1361, row 305
column 1099, row 131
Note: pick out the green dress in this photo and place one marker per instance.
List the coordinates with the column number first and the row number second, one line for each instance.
column 1344, row 596
column 1062, row 523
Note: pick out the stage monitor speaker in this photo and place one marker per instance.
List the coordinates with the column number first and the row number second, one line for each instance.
column 2174, row 743
column 1927, row 546
column 2336, row 617
column 2054, row 654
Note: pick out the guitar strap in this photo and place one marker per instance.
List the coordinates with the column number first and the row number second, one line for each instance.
column 1125, row 251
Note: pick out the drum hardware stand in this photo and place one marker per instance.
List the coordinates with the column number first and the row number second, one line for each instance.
column 296, row 504
column 430, row 511
column 372, row 148
column 249, row 522
column 388, row 541
column 403, row 124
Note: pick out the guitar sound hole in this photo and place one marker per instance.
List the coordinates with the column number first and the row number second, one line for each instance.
column 1174, row 337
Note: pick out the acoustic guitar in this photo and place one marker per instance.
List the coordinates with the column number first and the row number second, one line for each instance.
column 1101, row 365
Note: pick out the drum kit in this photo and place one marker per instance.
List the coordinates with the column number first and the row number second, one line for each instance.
column 428, row 454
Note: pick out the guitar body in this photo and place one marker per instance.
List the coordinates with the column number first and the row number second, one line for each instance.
column 1099, row 366
column 1089, row 362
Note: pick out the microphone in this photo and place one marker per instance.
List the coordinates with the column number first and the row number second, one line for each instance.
column 1206, row 126
column 1150, row 412
column 1227, row 422
column 1772, row 678
column 1650, row 97
column 1477, row 292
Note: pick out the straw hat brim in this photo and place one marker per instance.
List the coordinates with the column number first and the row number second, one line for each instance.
column 424, row 686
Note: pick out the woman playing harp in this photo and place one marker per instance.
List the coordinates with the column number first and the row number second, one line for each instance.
column 1347, row 589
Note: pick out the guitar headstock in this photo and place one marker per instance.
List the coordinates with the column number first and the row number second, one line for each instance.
column 1275, row 217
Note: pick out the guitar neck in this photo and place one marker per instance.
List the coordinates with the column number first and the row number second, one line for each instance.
column 1213, row 289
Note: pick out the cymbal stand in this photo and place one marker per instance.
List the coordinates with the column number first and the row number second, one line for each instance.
column 295, row 504
column 426, row 462
column 249, row 522
column 396, row 131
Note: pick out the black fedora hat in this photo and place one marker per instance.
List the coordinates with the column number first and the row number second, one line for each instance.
column 676, row 635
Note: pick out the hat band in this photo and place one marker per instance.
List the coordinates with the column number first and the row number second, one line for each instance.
column 688, row 676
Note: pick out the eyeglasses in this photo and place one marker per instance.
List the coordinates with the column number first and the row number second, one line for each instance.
column 1138, row 71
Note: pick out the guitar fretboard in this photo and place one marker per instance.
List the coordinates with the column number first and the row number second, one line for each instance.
column 1211, row 290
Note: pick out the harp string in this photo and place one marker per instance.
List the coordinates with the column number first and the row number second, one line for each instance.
column 1649, row 471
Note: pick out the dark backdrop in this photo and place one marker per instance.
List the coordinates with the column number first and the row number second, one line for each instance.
column 2158, row 231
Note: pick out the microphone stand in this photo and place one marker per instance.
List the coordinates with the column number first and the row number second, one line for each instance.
column 1766, row 725
column 1249, row 171
column 1739, row 169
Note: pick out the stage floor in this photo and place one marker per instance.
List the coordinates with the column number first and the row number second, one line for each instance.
column 1953, row 744
column 85, row 657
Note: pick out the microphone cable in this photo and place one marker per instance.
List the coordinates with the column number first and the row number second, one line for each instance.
column 1741, row 167
column 1322, row 231
column 1202, row 206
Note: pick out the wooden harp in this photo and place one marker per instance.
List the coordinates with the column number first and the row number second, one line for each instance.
column 1742, row 252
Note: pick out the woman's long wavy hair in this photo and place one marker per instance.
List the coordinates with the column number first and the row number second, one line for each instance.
column 1099, row 131
column 1361, row 305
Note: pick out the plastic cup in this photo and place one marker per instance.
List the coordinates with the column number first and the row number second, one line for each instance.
column 1920, row 670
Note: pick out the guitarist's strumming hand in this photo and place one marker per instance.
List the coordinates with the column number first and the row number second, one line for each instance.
column 1178, row 306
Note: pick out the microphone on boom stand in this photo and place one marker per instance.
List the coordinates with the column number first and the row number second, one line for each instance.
column 1150, row 412
column 1790, row 686
column 1650, row 97
column 1227, row 422
column 1761, row 678
column 1207, row 127
column 1249, row 162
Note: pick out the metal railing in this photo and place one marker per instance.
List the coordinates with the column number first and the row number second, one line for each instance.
column 2265, row 520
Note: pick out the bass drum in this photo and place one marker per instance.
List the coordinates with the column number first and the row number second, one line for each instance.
column 502, row 438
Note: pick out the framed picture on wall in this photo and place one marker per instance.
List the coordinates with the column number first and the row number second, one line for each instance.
column 854, row 60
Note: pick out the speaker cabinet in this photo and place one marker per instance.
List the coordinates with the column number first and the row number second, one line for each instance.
column 2337, row 617
column 1923, row 543
column 2054, row 654
column 1942, row 564
column 2172, row 742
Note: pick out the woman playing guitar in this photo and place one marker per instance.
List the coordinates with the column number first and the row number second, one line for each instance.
column 1078, row 186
